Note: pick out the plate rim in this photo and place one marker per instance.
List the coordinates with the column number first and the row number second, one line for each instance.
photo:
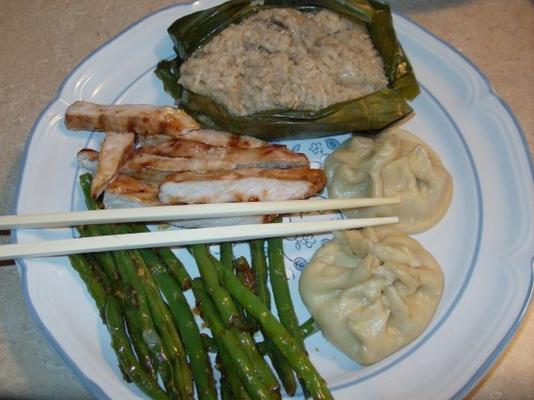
column 505, row 341
column 94, row 388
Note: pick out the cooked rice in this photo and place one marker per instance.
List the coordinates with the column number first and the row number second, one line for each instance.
column 282, row 58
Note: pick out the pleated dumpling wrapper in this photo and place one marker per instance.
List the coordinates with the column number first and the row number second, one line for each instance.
column 371, row 291
column 393, row 164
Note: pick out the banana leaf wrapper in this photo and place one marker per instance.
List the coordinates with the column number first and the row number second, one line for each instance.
column 367, row 114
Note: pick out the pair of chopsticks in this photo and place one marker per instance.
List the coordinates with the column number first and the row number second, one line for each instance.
column 187, row 236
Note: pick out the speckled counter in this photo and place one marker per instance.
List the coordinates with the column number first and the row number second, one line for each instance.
column 42, row 40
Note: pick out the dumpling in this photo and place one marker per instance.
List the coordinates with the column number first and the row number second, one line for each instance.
column 394, row 164
column 371, row 291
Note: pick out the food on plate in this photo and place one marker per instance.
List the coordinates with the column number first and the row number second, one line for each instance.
column 289, row 69
column 371, row 291
column 150, row 179
column 393, row 164
column 154, row 125
column 266, row 156
column 127, row 192
column 303, row 69
column 201, row 166
column 116, row 149
column 189, row 187
column 160, row 345
column 254, row 184
column 209, row 136
column 141, row 119
column 283, row 58
column 156, row 163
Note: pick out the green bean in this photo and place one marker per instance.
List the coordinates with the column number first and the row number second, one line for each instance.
column 283, row 370
column 246, row 276
column 263, row 370
column 227, row 258
column 127, row 360
column 225, row 305
column 308, row 328
column 259, row 267
column 227, row 254
column 185, row 321
column 228, row 376
column 139, row 309
column 288, row 347
column 226, row 340
column 175, row 266
column 93, row 282
column 280, row 288
column 107, row 263
column 162, row 319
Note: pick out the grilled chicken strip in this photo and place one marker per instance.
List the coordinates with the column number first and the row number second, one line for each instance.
column 136, row 118
column 226, row 139
column 269, row 156
column 153, row 168
column 128, row 192
column 116, row 149
column 155, row 163
column 253, row 184
column 208, row 136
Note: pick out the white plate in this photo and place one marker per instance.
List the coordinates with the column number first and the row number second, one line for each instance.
column 484, row 244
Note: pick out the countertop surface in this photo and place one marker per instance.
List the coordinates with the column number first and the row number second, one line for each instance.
column 42, row 40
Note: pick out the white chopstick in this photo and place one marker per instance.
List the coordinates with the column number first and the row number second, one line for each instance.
column 182, row 237
column 192, row 211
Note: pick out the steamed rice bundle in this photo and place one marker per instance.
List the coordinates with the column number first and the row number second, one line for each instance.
column 286, row 103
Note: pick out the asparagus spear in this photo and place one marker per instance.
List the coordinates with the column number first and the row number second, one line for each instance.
column 139, row 309
column 94, row 285
column 282, row 368
column 275, row 331
column 107, row 262
column 110, row 313
column 226, row 340
column 121, row 345
column 207, row 263
column 135, row 302
column 282, row 297
column 246, row 275
column 280, row 289
column 226, row 391
column 227, row 258
column 162, row 319
column 308, row 328
column 259, row 267
column 225, row 305
column 243, row 270
column 229, row 378
column 104, row 259
column 227, row 254
column 175, row 266
column 185, row 321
